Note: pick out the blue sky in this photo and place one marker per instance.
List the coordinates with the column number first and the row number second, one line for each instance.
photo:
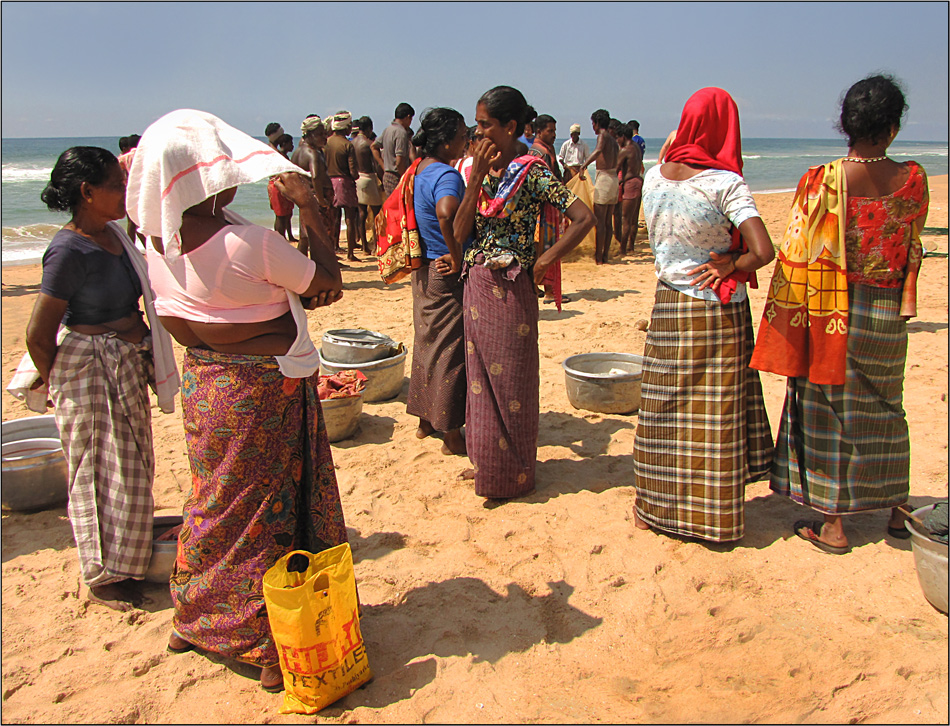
column 110, row 69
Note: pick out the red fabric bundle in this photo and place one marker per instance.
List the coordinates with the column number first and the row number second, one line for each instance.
column 341, row 385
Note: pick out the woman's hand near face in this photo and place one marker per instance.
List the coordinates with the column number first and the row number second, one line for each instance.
column 485, row 153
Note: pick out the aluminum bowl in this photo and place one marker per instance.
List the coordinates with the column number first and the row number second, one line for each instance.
column 383, row 377
column 35, row 475
column 931, row 560
column 32, row 427
column 355, row 345
column 165, row 552
column 604, row 382
column 342, row 416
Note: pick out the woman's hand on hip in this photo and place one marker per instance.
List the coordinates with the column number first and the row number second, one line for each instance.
column 712, row 273
column 445, row 265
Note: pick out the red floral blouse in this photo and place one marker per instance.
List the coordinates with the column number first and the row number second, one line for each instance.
column 879, row 232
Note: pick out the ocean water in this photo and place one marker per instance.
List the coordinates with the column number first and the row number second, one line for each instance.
column 770, row 165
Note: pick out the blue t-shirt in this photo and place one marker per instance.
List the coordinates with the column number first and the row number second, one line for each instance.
column 641, row 143
column 437, row 180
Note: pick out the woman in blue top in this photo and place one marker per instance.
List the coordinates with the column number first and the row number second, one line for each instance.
column 437, row 385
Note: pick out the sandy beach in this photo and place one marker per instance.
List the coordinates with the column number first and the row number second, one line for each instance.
column 552, row 608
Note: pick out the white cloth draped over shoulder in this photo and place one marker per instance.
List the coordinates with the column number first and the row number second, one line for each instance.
column 167, row 381
column 186, row 157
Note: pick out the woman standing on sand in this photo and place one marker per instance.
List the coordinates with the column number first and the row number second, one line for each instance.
column 98, row 368
column 228, row 290
column 503, row 201
column 703, row 432
column 843, row 444
column 437, row 386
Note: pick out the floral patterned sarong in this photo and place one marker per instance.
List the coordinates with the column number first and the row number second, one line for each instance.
column 263, row 485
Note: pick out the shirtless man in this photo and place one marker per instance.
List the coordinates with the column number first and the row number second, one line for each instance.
column 630, row 168
column 367, row 186
column 606, row 185
column 343, row 172
column 309, row 156
column 283, row 208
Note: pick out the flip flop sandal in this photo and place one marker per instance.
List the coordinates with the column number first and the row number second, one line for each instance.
column 815, row 527
column 276, row 687
column 187, row 646
column 901, row 532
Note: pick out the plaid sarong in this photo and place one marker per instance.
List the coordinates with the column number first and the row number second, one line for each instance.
column 703, row 431
column 264, row 485
column 99, row 388
column 437, row 385
column 501, row 363
column 844, row 449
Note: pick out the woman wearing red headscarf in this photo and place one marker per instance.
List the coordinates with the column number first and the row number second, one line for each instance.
column 703, row 431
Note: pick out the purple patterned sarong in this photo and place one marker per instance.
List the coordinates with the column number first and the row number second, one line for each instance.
column 501, row 345
column 263, row 485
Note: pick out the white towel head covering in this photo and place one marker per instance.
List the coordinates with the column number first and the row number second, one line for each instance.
column 341, row 121
column 185, row 157
column 311, row 123
column 276, row 135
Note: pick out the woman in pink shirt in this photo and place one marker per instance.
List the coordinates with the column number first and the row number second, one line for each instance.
column 230, row 291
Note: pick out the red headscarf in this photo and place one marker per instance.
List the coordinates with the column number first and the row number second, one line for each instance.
column 708, row 132
column 708, row 135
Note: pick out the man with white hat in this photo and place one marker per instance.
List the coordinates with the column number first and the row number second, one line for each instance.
column 573, row 153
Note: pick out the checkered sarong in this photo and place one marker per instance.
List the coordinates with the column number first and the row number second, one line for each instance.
column 99, row 387
column 703, row 430
column 844, row 449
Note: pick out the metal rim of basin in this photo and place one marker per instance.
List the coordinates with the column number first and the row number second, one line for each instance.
column 583, row 375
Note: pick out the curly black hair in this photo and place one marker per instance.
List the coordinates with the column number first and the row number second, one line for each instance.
column 871, row 109
column 63, row 192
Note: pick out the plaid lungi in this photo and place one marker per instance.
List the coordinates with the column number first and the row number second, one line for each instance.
column 501, row 363
column 99, row 388
column 390, row 182
column 844, row 449
column 703, row 431
column 437, row 385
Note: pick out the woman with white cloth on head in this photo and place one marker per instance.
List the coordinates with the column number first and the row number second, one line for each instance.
column 230, row 291
column 98, row 367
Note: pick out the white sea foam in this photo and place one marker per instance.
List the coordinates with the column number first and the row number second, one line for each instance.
column 14, row 173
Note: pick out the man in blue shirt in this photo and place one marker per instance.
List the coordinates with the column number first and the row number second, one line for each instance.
column 635, row 126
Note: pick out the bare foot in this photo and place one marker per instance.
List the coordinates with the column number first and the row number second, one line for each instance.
column 352, row 258
column 177, row 644
column 425, row 429
column 113, row 596
column 639, row 523
column 272, row 679
column 467, row 475
column 454, row 443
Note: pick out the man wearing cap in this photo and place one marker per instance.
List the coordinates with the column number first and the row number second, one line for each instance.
column 573, row 153
column 343, row 171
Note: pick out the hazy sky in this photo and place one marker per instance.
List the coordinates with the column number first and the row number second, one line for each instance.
column 110, row 69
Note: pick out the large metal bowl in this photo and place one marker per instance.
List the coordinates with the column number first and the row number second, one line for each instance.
column 604, row 382
column 931, row 560
column 165, row 552
column 35, row 475
column 342, row 416
column 31, row 427
column 355, row 345
column 383, row 377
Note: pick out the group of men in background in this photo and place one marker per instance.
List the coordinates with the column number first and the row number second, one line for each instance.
column 353, row 171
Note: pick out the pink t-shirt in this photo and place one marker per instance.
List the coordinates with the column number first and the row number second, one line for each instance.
column 240, row 275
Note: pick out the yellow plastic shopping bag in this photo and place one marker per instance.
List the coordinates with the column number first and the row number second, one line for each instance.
column 313, row 613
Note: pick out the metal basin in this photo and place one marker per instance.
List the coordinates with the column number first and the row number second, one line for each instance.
column 165, row 552
column 355, row 345
column 35, row 475
column 32, row 427
column 342, row 416
column 931, row 560
column 604, row 382
column 383, row 377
